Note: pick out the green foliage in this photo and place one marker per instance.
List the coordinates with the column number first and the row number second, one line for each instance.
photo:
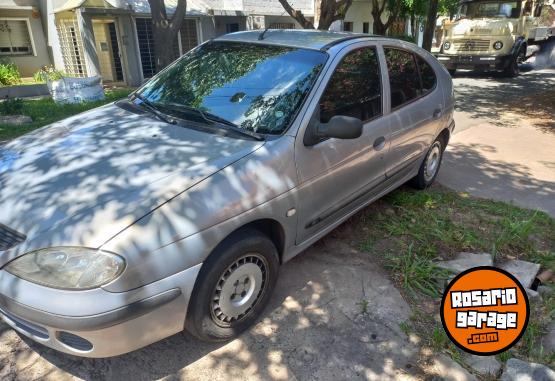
column 47, row 73
column 505, row 356
column 448, row 7
column 11, row 106
column 45, row 111
column 439, row 339
column 437, row 222
column 9, row 73
column 418, row 273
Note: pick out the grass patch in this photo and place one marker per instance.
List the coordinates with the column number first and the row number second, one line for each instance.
column 408, row 230
column 437, row 223
column 418, row 273
column 45, row 111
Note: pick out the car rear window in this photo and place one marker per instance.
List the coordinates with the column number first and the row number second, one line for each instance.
column 409, row 76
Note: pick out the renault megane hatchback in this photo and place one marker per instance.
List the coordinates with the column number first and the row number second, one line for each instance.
column 175, row 208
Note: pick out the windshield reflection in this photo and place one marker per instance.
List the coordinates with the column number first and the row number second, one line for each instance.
column 256, row 87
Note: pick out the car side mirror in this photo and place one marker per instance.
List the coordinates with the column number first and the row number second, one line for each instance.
column 338, row 127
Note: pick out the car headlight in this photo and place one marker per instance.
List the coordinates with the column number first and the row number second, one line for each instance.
column 497, row 45
column 446, row 45
column 70, row 268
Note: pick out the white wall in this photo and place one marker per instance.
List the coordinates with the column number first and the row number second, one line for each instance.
column 359, row 12
column 273, row 7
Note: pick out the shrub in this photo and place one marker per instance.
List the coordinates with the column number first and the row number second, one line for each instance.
column 9, row 73
column 11, row 106
column 47, row 73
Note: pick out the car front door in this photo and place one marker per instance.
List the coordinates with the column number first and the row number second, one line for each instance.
column 337, row 175
column 416, row 109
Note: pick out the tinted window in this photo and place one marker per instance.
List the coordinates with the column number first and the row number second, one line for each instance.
column 257, row 87
column 355, row 88
column 404, row 80
column 426, row 74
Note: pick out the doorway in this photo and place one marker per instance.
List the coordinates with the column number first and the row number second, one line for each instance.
column 107, row 49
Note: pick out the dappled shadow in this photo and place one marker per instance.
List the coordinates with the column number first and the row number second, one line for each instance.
column 315, row 328
column 498, row 100
column 466, row 168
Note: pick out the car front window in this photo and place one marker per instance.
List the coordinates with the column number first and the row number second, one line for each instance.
column 257, row 87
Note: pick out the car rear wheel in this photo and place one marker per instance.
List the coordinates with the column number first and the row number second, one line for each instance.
column 233, row 287
column 430, row 166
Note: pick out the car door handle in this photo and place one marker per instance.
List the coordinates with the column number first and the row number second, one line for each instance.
column 379, row 143
column 437, row 113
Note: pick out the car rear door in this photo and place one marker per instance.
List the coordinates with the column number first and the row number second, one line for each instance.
column 337, row 175
column 416, row 109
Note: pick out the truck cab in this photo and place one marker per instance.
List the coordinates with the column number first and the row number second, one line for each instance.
column 495, row 35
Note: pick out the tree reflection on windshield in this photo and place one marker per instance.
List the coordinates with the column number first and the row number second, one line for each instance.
column 257, row 87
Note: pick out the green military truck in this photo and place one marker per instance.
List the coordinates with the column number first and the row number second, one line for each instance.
column 496, row 35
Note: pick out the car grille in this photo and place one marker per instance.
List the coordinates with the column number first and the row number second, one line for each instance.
column 9, row 237
column 468, row 45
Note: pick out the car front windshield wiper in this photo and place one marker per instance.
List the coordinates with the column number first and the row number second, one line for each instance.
column 150, row 107
column 212, row 119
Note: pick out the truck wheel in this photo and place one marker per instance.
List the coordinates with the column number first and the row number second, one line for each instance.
column 233, row 286
column 512, row 70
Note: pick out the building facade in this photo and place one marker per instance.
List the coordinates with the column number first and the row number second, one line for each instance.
column 113, row 38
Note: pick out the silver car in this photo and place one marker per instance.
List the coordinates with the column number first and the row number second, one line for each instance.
column 174, row 209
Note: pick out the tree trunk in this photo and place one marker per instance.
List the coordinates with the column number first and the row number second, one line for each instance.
column 413, row 26
column 378, row 8
column 430, row 25
column 165, row 30
column 328, row 12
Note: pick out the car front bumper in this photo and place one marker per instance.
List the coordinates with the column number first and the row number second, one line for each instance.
column 452, row 62
column 97, row 323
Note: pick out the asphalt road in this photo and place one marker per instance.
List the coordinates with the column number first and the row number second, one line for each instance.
column 498, row 151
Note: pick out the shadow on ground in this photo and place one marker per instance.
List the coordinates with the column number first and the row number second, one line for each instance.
column 317, row 327
column 467, row 169
column 531, row 94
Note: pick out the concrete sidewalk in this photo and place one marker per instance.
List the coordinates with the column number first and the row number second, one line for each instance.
column 497, row 154
column 515, row 165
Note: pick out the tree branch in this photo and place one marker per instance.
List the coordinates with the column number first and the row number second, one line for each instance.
column 179, row 14
column 297, row 15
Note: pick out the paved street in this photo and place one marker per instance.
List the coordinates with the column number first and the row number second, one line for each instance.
column 499, row 151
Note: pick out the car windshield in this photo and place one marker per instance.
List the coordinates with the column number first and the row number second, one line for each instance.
column 254, row 86
column 489, row 9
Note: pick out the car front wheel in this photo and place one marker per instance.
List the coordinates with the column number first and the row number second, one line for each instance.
column 233, row 287
column 430, row 166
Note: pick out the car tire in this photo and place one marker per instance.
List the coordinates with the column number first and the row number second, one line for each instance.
column 233, row 287
column 429, row 168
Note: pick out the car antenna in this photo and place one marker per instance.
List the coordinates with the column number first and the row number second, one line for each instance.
column 261, row 36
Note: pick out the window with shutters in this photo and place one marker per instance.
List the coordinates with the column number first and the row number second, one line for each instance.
column 15, row 37
column 186, row 40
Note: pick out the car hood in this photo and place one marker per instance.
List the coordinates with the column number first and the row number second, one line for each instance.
column 83, row 180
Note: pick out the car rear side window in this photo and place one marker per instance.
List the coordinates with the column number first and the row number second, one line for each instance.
column 404, row 80
column 355, row 88
column 426, row 74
